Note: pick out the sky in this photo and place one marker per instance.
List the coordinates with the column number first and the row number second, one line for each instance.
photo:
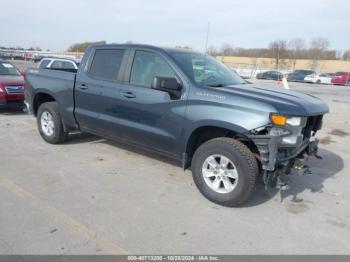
column 57, row 24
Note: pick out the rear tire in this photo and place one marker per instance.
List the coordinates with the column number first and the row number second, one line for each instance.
column 50, row 125
column 237, row 180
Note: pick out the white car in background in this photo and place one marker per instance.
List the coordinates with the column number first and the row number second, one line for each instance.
column 321, row 78
column 63, row 64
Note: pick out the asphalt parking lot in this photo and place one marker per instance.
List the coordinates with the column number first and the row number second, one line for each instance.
column 93, row 196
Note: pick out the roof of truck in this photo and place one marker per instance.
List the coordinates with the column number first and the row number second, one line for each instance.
column 166, row 49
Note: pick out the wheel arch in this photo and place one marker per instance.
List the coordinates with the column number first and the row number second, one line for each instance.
column 210, row 130
column 40, row 98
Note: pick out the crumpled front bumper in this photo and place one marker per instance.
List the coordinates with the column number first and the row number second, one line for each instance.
column 277, row 161
column 272, row 155
column 275, row 153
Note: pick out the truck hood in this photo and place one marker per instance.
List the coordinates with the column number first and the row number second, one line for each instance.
column 11, row 80
column 285, row 101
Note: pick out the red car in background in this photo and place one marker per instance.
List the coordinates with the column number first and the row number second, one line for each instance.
column 341, row 78
column 11, row 86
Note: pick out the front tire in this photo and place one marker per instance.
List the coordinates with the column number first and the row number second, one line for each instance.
column 50, row 123
column 225, row 171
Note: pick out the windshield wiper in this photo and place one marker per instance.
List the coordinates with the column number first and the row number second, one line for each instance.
column 217, row 85
column 224, row 85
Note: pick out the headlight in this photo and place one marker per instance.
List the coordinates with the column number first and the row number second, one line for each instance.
column 294, row 121
column 290, row 139
column 278, row 119
column 275, row 131
column 281, row 120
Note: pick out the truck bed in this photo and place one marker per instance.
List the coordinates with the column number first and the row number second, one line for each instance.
column 59, row 84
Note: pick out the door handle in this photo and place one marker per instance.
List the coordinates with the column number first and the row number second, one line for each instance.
column 83, row 87
column 128, row 94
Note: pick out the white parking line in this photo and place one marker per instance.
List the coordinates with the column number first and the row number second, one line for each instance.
column 54, row 213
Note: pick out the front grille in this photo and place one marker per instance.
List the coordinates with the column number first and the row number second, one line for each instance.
column 14, row 89
column 313, row 124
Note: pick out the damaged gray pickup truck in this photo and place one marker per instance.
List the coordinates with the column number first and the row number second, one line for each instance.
column 185, row 105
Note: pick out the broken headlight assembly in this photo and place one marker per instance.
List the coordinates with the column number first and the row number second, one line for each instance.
column 289, row 128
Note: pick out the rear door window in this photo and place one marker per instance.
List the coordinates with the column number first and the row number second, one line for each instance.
column 106, row 63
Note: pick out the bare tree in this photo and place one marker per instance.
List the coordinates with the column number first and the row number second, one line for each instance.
column 339, row 55
column 318, row 48
column 346, row 55
column 278, row 49
column 212, row 50
column 296, row 47
column 227, row 50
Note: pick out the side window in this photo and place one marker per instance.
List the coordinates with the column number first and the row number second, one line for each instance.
column 57, row 65
column 106, row 63
column 68, row 65
column 146, row 66
column 44, row 63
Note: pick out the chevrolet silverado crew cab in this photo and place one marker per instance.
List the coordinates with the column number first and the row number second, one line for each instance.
column 185, row 105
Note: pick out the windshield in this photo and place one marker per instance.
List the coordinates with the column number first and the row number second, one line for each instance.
column 341, row 73
column 8, row 69
column 205, row 70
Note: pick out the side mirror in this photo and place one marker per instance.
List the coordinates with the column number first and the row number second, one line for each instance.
column 23, row 73
column 167, row 84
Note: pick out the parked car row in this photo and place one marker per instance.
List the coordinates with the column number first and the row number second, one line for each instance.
column 21, row 56
column 308, row 76
column 12, row 80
